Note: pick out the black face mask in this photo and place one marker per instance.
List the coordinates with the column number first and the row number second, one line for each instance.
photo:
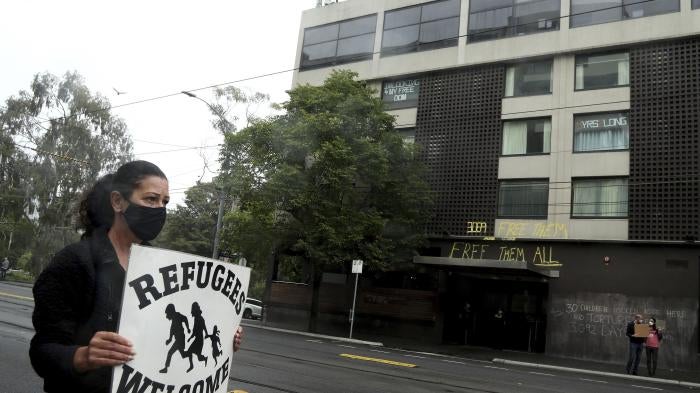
column 145, row 222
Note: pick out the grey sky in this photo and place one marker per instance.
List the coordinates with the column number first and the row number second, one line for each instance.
column 153, row 48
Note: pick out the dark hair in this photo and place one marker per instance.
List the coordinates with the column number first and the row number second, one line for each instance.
column 95, row 209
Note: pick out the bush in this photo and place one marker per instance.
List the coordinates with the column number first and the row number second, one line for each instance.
column 19, row 275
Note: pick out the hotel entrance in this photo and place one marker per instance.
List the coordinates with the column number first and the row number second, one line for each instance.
column 472, row 303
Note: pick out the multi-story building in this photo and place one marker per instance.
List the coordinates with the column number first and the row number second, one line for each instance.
column 562, row 139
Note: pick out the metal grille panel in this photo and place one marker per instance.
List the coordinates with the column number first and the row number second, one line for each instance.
column 459, row 129
column 665, row 141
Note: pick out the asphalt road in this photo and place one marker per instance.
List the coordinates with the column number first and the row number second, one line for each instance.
column 272, row 362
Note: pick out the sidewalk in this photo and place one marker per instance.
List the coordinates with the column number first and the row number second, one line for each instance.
column 522, row 359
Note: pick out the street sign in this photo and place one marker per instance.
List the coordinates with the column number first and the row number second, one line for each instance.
column 357, row 266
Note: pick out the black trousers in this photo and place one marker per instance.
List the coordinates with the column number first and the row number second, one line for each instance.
column 652, row 357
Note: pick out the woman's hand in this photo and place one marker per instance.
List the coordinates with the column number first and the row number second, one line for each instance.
column 104, row 349
column 237, row 338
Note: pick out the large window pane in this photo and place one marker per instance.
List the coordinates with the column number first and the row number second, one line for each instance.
column 404, row 17
column 356, row 45
column 490, row 24
column 315, row 35
column 529, row 79
column 638, row 9
column 599, row 198
column 344, row 41
column 530, row 136
column 319, row 51
column 439, row 32
column 481, row 5
column 403, row 37
column 696, row 4
column 523, row 199
column 534, row 16
column 584, row 12
column 440, row 10
column 402, row 93
column 358, row 26
column 601, row 131
column 602, row 71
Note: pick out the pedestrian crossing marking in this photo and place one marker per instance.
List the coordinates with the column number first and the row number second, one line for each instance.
column 383, row 361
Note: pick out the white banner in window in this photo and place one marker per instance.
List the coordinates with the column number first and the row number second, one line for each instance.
column 181, row 312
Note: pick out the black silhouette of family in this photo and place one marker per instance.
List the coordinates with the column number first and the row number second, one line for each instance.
column 199, row 334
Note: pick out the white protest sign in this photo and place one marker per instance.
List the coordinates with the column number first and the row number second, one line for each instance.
column 181, row 312
column 357, row 266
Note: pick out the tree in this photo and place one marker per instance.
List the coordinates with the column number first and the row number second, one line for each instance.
column 326, row 182
column 65, row 137
column 190, row 227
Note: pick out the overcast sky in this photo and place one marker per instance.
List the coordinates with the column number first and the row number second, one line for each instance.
column 152, row 48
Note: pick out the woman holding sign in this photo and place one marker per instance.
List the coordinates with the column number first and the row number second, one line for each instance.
column 78, row 296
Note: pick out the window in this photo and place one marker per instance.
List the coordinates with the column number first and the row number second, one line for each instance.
column 530, row 136
column 428, row 26
column 401, row 93
column 529, row 79
column 490, row 19
column 593, row 12
column 523, row 198
column 341, row 42
column 601, row 131
column 408, row 135
column 599, row 197
column 602, row 71
column 695, row 4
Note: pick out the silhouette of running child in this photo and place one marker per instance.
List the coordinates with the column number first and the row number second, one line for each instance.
column 215, row 343
column 199, row 332
column 177, row 332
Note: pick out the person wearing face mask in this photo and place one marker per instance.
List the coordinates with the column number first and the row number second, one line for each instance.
column 78, row 295
column 652, row 343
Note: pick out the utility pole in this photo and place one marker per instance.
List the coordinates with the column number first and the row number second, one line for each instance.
column 220, row 215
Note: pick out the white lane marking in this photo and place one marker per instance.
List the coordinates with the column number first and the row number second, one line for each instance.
column 415, row 356
column 592, row 380
column 347, row 346
column 646, row 387
column 376, row 350
column 452, row 361
column 315, row 341
column 536, row 373
column 497, row 368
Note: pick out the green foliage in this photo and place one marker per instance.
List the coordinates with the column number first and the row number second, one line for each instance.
column 191, row 228
column 23, row 261
column 56, row 139
column 328, row 181
column 20, row 276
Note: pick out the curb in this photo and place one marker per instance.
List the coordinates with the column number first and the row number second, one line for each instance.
column 314, row 335
column 602, row 373
column 17, row 283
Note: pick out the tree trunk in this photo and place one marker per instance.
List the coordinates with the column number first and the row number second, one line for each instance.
column 316, row 274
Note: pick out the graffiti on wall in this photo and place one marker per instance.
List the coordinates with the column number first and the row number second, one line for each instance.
column 519, row 229
column 537, row 254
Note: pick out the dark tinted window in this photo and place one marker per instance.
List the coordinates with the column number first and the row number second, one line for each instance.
column 425, row 26
column 402, row 93
column 489, row 19
column 696, row 4
column 523, row 198
column 529, row 79
column 592, row 12
column 341, row 42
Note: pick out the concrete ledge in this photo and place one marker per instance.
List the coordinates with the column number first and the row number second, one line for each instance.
column 594, row 372
column 314, row 335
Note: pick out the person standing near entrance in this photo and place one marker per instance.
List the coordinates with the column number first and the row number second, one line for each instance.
column 635, row 348
column 652, row 342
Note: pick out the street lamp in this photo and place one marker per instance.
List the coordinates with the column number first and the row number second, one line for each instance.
column 220, row 215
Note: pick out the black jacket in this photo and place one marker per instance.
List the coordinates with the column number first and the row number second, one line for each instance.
column 630, row 334
column 79, row 293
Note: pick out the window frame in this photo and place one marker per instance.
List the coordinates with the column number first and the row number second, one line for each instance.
column 417, row 47
column 503, row 121
column 510, row 26
column 335, row 60
column 571, row 204
column 599, row 54
column 521, row 180
column 622, row 14
column 573, row 128
column 551, row 79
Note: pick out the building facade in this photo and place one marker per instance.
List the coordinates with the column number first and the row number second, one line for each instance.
column 562, row 140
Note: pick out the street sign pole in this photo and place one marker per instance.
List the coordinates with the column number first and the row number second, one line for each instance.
column 357, row 269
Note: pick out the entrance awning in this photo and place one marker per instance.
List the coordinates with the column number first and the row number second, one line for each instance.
column 486, row 263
